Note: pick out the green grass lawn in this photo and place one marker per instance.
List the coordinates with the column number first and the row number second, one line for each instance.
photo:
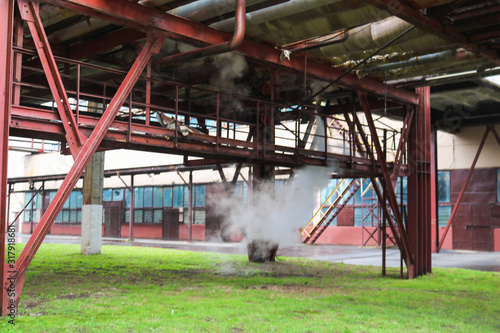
column 138, row 289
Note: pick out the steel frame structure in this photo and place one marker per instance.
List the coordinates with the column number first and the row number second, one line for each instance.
column 85, row 134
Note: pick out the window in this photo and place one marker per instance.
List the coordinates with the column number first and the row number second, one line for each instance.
column 167, row 196
column 72, row 209
column 33, row 209
column 199, row 196
column 498, row 185
column 178, row 196
column 443, row 186
column 332, row 185
column 444, row 215
column 443, row 193
column 107, row 194
column 241, row 191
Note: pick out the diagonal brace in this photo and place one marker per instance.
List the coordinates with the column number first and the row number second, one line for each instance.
column 30, row 13
column 391, row 196
column 153, row 45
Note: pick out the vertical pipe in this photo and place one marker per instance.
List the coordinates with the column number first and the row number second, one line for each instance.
column 148, row 93
column 31, row 209
column 190, row 208
column 384, row 231
column 6, row 33
column 18, row 58
column 435, row 187
column 42, row 193
column 218, row 129
column 78, row 74
column 176, row 114
column 131, row 209
column 325, row 124
column 257, row 130
column 9, row 191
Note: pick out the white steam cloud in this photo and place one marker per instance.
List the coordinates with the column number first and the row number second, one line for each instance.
column 277, row 218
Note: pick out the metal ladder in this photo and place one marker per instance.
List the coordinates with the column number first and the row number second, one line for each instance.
column 333, row 209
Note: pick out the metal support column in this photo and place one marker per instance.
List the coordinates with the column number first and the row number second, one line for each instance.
column 6, row 33
column 419, row 186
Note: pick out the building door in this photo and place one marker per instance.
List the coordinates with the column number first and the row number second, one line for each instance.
column 472, row 228
column 113, row 218
column 170, row 223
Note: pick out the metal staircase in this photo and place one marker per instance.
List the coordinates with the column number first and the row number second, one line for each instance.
column 334, row 204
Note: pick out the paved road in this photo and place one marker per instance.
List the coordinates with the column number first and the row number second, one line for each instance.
column 484, row 261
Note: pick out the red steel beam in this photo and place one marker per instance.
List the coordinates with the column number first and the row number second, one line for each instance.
column 391, row 196
column 132, row 15
column 415, row 17
column 419, row 185
column 30, row 14
column 29, row 122
column 153, row 45
column 464, row 186
column 6, row 61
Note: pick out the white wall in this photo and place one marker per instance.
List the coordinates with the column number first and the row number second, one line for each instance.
column 457, row 151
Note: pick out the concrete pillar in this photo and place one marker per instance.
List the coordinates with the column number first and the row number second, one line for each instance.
column 91, row 229
column 92, row 209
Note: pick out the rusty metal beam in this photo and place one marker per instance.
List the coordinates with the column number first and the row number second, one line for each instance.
column 139, row 17
column 391, row 196
column 40, row 123
column 419, row 186
column 153, row 45
column 6, row 39
column 415, row 17
column 29, row 13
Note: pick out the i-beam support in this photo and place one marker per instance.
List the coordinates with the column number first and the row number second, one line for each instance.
column 153, row 45
column 419, row 185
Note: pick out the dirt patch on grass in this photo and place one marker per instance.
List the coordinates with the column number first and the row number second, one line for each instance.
column 289, row 289
column 72, row 296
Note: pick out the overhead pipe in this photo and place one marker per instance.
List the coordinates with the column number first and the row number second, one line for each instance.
column 372, row 35
column 421, row 60
column 202, row 10
column 235, row 42
column 278, row 11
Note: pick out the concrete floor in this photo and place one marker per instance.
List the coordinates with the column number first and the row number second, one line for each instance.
column 354, row 255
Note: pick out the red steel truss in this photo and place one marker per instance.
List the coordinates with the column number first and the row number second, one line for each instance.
column 85, row 134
